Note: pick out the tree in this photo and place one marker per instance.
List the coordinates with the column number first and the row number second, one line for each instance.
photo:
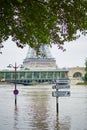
column 85, row 76
column 35, row 22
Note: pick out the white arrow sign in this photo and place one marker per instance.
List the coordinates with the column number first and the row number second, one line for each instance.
column 62, row 81
column 61, row 87
column 61, row 94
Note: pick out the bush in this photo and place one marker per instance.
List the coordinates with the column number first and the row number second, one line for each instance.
column 85, row 77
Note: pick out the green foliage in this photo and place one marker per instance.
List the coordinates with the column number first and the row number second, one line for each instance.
column 1, row 76
column 85, row 76
column 86, row 65
column 20, row 1
column 35, row 22
column 26, row 68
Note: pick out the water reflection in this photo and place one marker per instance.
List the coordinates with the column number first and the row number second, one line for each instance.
column 39, row 99
column 57, row 126
column 16, row 118
column 64, row 124
column 36, row 109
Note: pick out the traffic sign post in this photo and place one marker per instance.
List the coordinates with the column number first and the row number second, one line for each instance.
column 61, row 87
column 62, row 81
column 15, row 93
column 57, row 105
column 61, row 93
column 60, row 84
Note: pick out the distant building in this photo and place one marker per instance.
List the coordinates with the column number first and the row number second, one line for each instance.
column 45, row 61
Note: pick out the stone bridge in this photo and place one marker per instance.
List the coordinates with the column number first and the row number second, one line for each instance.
column 76, row 74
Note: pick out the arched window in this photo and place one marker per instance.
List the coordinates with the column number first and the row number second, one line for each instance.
column 77, row 74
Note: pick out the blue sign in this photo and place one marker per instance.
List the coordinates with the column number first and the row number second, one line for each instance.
column 15, row 92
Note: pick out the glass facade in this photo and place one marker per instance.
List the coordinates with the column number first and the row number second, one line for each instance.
column 33, row 75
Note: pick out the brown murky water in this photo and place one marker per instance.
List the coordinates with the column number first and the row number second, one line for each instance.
column 36, row 109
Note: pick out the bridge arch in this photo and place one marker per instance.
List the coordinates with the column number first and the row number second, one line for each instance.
column 77, row 75
column 76, row 72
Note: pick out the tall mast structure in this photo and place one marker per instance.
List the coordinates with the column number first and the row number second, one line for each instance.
column 44, row 61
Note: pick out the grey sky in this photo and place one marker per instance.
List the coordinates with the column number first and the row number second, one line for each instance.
column 75, row 54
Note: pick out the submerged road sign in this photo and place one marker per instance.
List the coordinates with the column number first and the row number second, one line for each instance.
column 63, row 81
column 61, row 84
column 61, row 87
column 61, row 93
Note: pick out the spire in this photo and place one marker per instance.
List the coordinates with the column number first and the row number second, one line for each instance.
column 44, row 50
column 43, row 61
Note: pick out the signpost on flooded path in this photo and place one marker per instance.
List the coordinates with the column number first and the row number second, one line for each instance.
column 61, row 93
column 61, row 87
column 61, row 84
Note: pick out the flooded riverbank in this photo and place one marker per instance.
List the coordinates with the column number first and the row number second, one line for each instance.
column 36, row 109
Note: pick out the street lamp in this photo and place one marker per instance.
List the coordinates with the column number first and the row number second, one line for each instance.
column 15, row 68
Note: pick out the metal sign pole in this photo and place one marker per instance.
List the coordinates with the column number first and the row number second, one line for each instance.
column 57, row 105
column 61, row 84
column 15, row 67
column 15, row 100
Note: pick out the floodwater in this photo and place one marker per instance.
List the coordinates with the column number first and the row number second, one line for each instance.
column 36, row 109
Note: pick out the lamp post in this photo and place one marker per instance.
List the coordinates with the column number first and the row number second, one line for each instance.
column 15, row 90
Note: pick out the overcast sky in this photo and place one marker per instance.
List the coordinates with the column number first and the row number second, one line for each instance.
column 75, row 54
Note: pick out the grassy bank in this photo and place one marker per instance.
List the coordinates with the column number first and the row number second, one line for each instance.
column 82, row 83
